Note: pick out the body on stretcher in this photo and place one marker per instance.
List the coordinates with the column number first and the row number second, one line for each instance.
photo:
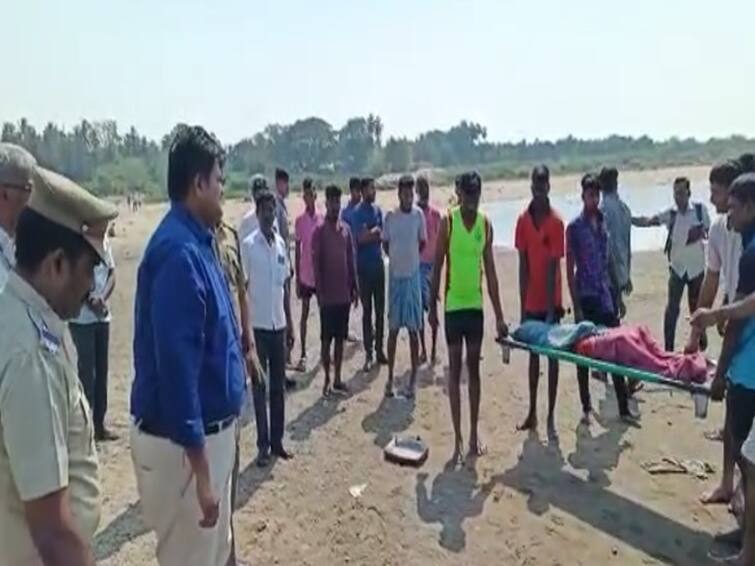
column 700, row 391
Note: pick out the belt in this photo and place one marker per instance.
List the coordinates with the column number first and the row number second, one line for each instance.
column 209, row 429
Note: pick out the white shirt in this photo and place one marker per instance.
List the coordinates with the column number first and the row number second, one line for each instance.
column 686, row 259
column 249, row 224
column 724, row 252
column 101, row 274
column 268, row 269
column 7, row 256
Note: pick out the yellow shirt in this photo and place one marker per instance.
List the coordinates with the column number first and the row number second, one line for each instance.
column 46, row 434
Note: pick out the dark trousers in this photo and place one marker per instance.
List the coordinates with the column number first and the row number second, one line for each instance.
column 92, row 346
column 676, row 285
column 271, row 349
column 593, row 311
column 372, row 291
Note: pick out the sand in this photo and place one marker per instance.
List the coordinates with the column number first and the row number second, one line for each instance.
column 583, row 500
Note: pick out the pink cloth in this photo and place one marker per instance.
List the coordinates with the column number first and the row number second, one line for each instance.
column 304, row 229
column 635, row 347
column 432, row 225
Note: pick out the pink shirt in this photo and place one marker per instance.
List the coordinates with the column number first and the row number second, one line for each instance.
column 304, row 229
column 432, row 225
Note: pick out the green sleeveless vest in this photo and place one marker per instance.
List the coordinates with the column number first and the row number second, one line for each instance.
column 464, row 272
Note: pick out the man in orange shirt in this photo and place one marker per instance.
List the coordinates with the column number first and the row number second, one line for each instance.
column 539, row 239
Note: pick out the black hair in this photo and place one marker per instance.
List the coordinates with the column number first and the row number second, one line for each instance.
column 406, row 181
column 332, row 191
column 37, row 237
column 608, row 179
column 262, row 197
column 281, row 174
column 747, row 162
column 590, row 183
column 423, row 182
column 457, row 182
column 725, row 172
column 470, row 182
column 193, row 151
column 684, row 181
column 541, row 174
column 307, row 184
column 743, row 188
column 355, row 184
column 366, row 182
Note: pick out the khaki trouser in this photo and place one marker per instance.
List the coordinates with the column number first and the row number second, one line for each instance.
column 168, row 497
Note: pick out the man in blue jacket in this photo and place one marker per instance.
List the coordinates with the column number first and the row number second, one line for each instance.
column 189, row 372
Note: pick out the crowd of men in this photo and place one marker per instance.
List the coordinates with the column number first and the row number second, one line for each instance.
column 213, row 327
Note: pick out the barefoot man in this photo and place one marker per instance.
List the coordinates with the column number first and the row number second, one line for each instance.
column 335, row 274
column 540, row 241
column 427, row 257
column 466, row 242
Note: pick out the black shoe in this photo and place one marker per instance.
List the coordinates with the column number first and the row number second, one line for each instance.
column 282, row 453
column 263, row 460
column 290, row 384
column 104, row 435
column 367, row 364
column 381, row 359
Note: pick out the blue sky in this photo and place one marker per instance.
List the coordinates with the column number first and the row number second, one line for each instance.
column 532, row 69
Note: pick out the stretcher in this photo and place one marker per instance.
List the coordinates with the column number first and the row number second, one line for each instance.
column 699, row 391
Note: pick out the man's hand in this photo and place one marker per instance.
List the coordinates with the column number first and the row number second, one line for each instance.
column 628, row 288
column 693, row 342
column 721, row 327
column 502, row 328
column 208, row 503
column 703, row 318
column 622, row 308
column 252, row 366
column 718, row 388
column 432, row 316
column 290, row 339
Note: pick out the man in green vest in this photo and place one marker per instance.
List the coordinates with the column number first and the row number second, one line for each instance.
column 466, row 242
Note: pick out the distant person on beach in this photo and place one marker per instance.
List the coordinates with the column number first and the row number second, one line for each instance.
column 688, row 224
column 734, row 376
column 721, row 270
column 539, row 239
column 587, row 271
column 368, row 227
column 618, row 222
column 249, row 221
column 335, row 274
column 427, row 259
column 403, row 239
column 466, row 240
column 189, row 366
column 304, row 228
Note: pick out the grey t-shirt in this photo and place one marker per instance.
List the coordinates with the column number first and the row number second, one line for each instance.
column 404, row 232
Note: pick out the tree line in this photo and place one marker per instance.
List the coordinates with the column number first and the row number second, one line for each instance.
column 108, row 161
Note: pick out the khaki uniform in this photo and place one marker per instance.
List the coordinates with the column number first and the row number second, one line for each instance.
column 46, row 434
column 228, row 251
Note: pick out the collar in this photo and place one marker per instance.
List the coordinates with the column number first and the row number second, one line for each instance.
column 584, row 218
column 183, row 215
column 280, row 200
column 37, row 305
column 7, row 247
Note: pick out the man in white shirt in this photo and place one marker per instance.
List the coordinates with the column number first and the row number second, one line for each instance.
column 249, row 222
column 265, row 259
column 91, row 334
column 688, row 224
column 16, row 173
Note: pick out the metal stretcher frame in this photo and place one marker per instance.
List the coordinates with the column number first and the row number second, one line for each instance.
column 607, row 367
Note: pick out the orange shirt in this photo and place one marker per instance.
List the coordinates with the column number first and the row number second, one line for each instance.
column 541, row 247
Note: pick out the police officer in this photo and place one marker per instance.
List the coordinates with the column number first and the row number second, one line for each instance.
column 49, row 491
column 16, row 168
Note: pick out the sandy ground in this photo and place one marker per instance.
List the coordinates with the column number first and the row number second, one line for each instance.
column 582, row 500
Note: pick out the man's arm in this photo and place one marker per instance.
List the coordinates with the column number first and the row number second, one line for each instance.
column 53, row 532
column 297, row 260
column 731, row 337
column 440, row 257
column 524, row 279
column 570, row 276
column 646, row 221
column 550, row 288
column 491, row 277
column 708, row 292
column 352, row 267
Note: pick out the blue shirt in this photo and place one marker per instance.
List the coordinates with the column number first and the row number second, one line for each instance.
column 742, row 367
column 347, row 215
column 588, row 245
column 187, row 354
column 365, row 217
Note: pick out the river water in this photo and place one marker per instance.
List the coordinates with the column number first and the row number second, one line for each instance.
column 643, row 201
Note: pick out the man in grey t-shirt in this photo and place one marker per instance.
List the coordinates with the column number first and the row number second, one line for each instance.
column 404, row 236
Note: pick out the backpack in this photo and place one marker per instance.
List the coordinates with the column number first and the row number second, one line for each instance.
column 698, row 213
